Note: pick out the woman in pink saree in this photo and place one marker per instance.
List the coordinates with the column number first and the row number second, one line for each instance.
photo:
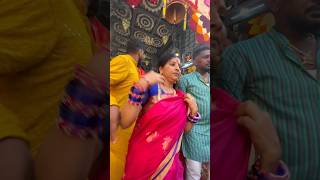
column 162, row 114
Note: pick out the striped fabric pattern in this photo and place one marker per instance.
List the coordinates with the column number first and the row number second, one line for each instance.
column 196, row 143
column 266, row 70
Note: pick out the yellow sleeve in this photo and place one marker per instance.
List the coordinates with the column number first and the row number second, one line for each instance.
column 113, row 101
column 9, row 125
column 119, row 70
column 27, row 34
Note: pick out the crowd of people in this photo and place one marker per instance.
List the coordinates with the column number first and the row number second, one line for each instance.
column 157, row 116
column 54, row 86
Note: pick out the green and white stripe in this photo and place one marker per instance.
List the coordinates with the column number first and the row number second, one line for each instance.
column 196, row 143
column 266, row 70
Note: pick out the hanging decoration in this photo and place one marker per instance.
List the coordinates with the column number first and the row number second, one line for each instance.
column 164, row 8
column 152, row 7
column 175, row 12
column 202, row 6
column 185, row 18
column 134, row 3
column 207, row 3
column 201, row 26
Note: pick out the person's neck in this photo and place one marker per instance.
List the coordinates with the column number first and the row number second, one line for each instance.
column 167, row 84
column 135, row 57
column 296, row 36
column 203, row 73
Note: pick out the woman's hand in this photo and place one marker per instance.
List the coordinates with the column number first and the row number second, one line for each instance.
column 151, row 78
column 263, row 134
column 191, row 103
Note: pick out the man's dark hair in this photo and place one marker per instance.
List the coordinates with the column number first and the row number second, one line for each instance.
column 134, row 46
column 198, row 50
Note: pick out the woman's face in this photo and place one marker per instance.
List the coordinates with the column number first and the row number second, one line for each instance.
column 171, row 70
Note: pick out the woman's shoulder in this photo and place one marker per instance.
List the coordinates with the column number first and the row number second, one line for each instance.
column 153, row 90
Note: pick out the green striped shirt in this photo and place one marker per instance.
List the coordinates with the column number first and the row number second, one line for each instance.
column 196, row 143
column 266, row 70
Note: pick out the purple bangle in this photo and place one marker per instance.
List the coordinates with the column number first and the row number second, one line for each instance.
column 194, row 119
column 282, row 173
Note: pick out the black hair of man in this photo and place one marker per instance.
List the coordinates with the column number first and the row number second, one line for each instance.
column 133, row 46
column 198, row 50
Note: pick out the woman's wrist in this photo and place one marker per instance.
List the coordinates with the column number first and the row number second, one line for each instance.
column 144, row 82
column 193, row 113
column 267, row 168
column 269, row 165
column 270, row 161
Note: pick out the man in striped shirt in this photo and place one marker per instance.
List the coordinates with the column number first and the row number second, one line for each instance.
column 196, row 143
column 279, row 70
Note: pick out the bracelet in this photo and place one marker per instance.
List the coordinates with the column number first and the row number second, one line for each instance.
column 256, row 171
column 194, row 119
column 135, row 95
column 138, row 88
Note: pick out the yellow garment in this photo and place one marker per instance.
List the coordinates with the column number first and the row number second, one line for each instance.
column 41, row 41
column 123, row 74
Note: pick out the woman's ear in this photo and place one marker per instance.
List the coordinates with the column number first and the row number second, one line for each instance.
column 160, row 70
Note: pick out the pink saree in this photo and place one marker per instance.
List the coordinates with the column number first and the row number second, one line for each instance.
column 153, row 151
column 230, row 144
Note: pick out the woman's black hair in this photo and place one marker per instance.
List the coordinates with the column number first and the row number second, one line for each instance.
column 165, row 58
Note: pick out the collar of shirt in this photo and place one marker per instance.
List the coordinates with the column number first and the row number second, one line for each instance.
column 198, row 75
column 284, row 45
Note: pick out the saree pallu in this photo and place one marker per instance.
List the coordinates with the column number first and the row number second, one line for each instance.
column 230, row 143
column 156, row 140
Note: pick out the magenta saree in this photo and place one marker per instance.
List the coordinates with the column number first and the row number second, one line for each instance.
column 230, row 144
column 156, row 140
